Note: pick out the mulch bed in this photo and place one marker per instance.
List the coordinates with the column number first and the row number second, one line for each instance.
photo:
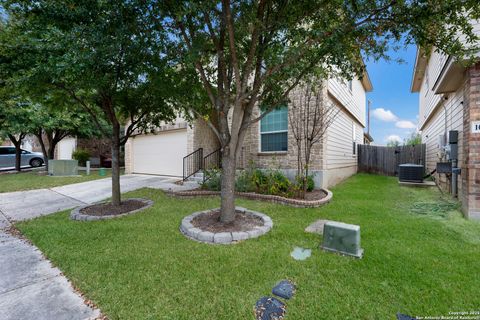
column 309, row 196
column 107, row 209
column 211, row 222
column 313, row 195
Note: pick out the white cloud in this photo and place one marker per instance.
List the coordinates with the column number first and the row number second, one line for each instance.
column 384, row 115
column 405, row 124
column 393, row 137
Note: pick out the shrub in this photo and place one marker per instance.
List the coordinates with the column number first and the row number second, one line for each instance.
column 259, row 180
column 278, row 183
column 310, row 183
column 82, row 156
column 244, row 182
column 213, row 180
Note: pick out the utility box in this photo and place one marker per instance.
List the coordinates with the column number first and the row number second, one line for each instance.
column 409, row 172
column 453, row 137
column 63, row 167
column 342, row 238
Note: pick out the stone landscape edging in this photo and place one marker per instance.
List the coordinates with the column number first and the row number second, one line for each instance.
column 262, row 197
column 190, row 231
column 78, row 216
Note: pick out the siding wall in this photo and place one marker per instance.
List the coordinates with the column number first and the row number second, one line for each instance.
column 428, row 100
column 354, row 101
column 340, row 160
column 436, row 126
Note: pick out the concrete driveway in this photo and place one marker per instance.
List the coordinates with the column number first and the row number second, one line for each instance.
column 23, row 205
column 30, row 287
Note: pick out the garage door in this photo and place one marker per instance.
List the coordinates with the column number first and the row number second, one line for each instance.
column 161, row 153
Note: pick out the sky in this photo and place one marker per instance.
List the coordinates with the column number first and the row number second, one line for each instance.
column 394, row 109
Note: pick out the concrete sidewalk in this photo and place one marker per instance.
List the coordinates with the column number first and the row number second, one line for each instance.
column 23, row 205
column 30, row 288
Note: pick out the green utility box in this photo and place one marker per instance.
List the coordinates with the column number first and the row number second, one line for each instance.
column 342, row 238
column 63, row 167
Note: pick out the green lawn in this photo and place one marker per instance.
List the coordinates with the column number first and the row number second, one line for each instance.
column 31, row 180
column 420, row 258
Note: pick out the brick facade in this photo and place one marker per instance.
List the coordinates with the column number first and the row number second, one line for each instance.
column 201, row 136
column 287, row 160
column 471, row 169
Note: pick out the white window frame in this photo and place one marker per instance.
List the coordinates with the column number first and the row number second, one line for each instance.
column 260, row 133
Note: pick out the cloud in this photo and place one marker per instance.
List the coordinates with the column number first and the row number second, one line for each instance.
column 393, row 137
column 384, row 115
column 405, row 124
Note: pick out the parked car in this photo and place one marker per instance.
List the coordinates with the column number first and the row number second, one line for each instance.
column 7, row 158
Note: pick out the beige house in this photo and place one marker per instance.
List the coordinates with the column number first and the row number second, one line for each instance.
column 449, row 100
column 268, row 143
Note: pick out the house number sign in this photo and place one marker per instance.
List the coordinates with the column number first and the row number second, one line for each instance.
column 475, row 126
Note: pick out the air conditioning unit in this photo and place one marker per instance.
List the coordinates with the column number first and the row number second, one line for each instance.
column 410, row 172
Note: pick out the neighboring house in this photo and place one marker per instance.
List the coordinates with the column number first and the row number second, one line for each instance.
column 99, row 149
column 367, row 138
column 268, row 144
column 449, row 97
column 29, row 143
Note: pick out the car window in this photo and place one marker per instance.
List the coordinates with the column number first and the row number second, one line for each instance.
column 4, row 151
column 25, row 152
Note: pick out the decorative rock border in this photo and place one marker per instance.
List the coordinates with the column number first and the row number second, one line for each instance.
column 262, row 197
column 77, row 215
column 187, row 228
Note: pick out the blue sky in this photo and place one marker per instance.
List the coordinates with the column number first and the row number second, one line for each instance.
column 394, row 108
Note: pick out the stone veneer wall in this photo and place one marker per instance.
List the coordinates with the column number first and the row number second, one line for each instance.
column 200, row 135
column 471, row 169
column 285, row 161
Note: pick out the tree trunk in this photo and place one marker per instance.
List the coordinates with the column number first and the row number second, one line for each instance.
column 18, row 157
column 227, row 205
column 44, row 149
column 18, row 151
column 115, row 139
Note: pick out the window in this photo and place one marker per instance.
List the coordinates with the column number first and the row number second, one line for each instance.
column 274, row 131
column 354, row 138
column 8, row 150
column 350, row 85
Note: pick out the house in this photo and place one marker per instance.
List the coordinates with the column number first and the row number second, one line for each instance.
column 268, row 143
column 99, row 149
column 449, row 100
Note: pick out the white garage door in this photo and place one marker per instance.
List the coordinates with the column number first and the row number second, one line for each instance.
column 161, row 153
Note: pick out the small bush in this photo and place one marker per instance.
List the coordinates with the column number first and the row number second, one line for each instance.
column 213, row 180
column 82, row 156
column 273, row 182
column 244, row 183
column 278, row 183
column 310, row 183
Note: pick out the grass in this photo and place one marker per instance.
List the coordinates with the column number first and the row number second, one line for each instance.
column 10, row 182
column 417, row 261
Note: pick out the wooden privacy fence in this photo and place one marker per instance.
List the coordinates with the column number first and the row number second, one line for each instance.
column 385, row 160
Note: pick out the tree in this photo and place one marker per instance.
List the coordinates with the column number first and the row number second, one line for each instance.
column 309, row 119
column 15, row 125
column 104, row 55
column 51, row 124
column 254, row 53
column 393, row 143
column 413, row 139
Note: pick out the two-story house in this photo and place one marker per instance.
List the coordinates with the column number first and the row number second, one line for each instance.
column 269, row 143
column 449, row 100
